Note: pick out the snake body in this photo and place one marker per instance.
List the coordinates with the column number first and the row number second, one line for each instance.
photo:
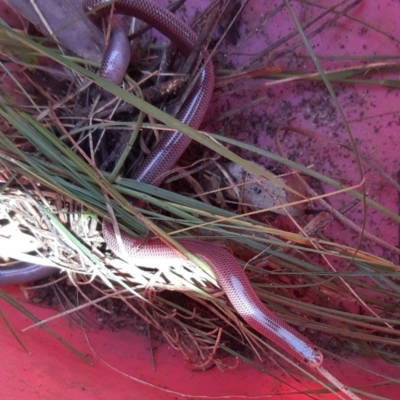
column 23, row 272
column 172, row 144
column 162, row 158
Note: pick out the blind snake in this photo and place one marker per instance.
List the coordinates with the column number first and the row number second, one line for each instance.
column 228, row 271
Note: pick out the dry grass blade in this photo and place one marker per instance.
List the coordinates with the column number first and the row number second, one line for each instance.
column 18, row 306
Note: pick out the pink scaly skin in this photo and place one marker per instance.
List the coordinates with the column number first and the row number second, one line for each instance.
column 231, row 278
column 116, row 58
column 228, row 271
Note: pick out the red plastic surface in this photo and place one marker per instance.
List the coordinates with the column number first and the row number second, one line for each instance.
column 122, row 368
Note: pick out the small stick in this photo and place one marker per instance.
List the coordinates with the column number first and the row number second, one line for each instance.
column 337, row 383
column 153, row 364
